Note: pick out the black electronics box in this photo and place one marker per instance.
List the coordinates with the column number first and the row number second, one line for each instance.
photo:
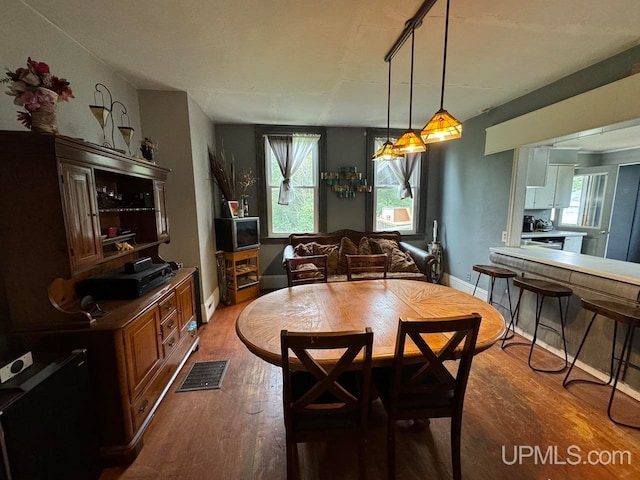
column 121, row 285
column 138, row 265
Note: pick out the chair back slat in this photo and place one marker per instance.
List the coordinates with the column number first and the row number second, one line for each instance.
column 374, row 266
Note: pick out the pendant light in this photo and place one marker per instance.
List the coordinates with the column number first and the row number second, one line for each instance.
column 410, row 142
column 385, row 152
column 442, row 126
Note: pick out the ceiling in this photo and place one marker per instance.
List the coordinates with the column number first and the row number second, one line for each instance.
column 309, row 62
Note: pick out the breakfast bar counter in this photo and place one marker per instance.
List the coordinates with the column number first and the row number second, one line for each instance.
column 589, row 277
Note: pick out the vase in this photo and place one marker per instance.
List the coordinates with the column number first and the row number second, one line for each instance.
column 43, row 120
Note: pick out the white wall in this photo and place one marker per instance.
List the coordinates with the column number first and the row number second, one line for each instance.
column 25, row 33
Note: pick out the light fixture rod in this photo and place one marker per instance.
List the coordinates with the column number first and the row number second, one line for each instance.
column 389, row 101
column 413, row 39
column 444, row 55
column 411, row 24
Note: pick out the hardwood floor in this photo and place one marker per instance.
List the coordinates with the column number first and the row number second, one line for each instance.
column 237, row 432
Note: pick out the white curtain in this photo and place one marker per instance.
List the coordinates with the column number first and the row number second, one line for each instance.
column 403, row 168
column 290, row 151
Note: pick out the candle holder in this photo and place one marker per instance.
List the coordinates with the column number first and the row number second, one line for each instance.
column 103, row 114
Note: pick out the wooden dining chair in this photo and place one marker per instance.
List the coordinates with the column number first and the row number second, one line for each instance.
column 427, row 389
column 304, row 270
column 324, row 402
column 367, row 267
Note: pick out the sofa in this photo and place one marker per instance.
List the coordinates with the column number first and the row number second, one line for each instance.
column 406, row 260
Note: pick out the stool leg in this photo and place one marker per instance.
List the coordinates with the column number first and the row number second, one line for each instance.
column 493, row 281
column 566, row 380
column 625, row 346
column 539, row 303
column 626, row 360
column 509, row 296
column 562, row 320
column 474, row 288
column 511, row 323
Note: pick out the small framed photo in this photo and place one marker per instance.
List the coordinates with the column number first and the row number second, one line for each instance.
column 233, row 207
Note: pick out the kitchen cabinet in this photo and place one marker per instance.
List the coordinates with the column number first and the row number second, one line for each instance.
column 572, row 244
column 537, row 166
column 556, row 193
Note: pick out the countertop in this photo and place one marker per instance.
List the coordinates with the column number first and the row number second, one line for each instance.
column 553, row 234
column 602, row 267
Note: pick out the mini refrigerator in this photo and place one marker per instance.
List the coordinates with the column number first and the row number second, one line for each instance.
column 48, row 427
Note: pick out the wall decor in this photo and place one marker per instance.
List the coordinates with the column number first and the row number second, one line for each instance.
column 104, row 113
column 346, row 182
column 38, row 91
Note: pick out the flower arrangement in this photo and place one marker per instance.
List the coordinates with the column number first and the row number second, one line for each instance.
column 223, row 174
column 35, row 88
column 247, row 180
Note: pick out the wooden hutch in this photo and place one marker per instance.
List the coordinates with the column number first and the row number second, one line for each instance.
column 59, row 198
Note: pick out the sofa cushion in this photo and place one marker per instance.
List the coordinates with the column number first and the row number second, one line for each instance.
column 331, row 251
column 303, row 249
column 383, row 245
column 402, row 262
column 347, row 247
column 364, row 248
column 308, row 270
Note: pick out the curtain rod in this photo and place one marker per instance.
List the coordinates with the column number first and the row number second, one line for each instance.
column 412, row 24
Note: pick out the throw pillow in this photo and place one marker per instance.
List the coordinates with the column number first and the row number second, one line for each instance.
column 347, row 247
column 331, row 251
column 303, row 249
column 364, row 248
column 308, row 270
column 402, row 262
column 383, row 245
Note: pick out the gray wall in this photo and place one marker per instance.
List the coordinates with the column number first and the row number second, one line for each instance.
column 476, row 188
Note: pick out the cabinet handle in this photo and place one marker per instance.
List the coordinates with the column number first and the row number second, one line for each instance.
column 168, row 307
column 144, row 406
column 171, row 342
column 170, row 324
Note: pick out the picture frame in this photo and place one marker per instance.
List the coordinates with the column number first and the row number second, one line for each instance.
column 233, row 208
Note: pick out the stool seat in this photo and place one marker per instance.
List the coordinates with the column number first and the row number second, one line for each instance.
column 493, row 271
column 617, row 311
column 543, row 287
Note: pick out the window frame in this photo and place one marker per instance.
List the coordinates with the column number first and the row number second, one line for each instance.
column 421, row 200
column 561, row 211
column 264, row 192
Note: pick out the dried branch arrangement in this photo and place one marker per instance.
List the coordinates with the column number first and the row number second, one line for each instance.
column 223, row 174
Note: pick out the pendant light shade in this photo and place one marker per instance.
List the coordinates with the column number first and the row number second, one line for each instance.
column 386, row 152
column 410, row 141
column 442, row 126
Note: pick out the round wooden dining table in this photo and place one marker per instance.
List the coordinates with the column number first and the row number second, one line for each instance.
column 349, row 306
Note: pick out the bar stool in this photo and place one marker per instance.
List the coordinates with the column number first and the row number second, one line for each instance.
column 620, row 313
column 542, row 289
column 495, row 272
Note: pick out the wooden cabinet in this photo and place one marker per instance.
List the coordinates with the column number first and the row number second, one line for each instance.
column 65, row 206
column 242, row 273
column 556, row 193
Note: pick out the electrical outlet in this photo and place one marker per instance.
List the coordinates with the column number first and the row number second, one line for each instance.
column 504, row 236
column 468, row 276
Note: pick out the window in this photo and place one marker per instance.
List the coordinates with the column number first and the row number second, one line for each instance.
column 390, row 212
column 587, row 196
column 295, row 209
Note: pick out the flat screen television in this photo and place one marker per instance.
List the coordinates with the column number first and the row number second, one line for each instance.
column 235, row 234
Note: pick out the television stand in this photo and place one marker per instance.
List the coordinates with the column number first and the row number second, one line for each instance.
column 243, row 277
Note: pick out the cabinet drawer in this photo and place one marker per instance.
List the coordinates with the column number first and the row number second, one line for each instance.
column 170, row 343
column 167, row 305
column 169, row 325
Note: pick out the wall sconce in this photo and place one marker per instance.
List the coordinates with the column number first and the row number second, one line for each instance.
column 102, row 113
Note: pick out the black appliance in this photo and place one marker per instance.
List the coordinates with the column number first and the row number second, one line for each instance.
column 529, row 223
column 118, row 284
column 48, row 427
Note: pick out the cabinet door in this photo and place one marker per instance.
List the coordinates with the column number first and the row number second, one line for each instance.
column 160, row 198
column 186, row 303
column 545, row 195
column 143, row 350
column 537, row 167
column 572, row 244
column 81, row 215
column 530, row 197
column 564, row 184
